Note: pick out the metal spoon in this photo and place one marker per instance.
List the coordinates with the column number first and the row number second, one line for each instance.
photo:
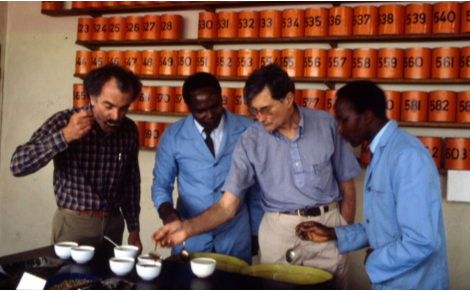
column 290, row 254
column 184, row 254
column 111, row 241
column 154, row 255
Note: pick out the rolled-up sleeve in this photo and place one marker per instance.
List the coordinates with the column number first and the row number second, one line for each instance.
column 241, row 175
column 351, row 237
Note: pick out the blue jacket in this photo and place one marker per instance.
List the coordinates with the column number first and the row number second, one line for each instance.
column 403, row 220
column 182, row 153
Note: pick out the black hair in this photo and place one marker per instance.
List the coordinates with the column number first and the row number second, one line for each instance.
column 125, row 81
column 274, row 77
column 362, row 96
column 198, row 81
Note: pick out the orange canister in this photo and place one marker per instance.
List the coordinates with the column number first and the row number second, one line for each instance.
column 414, row 106
column 340, row 21
column 270, row 23
column 133, row 61
column 330, row 100
column 187, row 62
column 127, row 3
column 456, row 154
column 248, row 24
column 442, row 106
column 147, row 98
column 292, row 23
column 391, row 19
column 434, row 147
column 418, row 19
column 110, row 4
column 117, row 28
column 465, row 62
column 117, row 58
column 247, row 62
column 226, row 63
column 240, row 105
column 206, row 61
column 94, row 4
column 207, row 27
column 150, row 60
column 227, row 24
column 79, row 4
column 98, row 59
column 365, row 20
column 141, row 128
column 168, row 64
column 152, row 133
column 180, row 105
column 298, row 97
column 292, row 62
column 316, row 22
column 171, row 26
column 144, row 2
column 134, row 105
column 85, row 29
column 134, row 28
column 446, row 17
column 445, row 63
column 463, row 107
column 269, row 56
column 392, row 104
column 82, row 62
column 315, row 63
column 313, row 99
column 364, row 63
column 166, row 99
column 152, row 25
column 417, row 63
column 51, row 5
column 339, row 63
column 228, row 99
column 390, row 63
column 365, row 149
column 100, row 28
column 465, row 17
column 80, row 97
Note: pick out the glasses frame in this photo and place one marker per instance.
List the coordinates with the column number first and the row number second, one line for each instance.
column 265, row 111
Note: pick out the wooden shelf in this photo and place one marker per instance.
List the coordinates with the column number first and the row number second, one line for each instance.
column 208, row 43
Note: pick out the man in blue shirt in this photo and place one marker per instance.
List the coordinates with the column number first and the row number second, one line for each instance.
column 198, row 151
column 403, row 223
column 305, row 171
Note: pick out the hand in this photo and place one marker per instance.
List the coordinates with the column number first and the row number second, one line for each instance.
column 134, row 240
column 254, row 246
column 168, row 213
column 79, row 125
column 170, row 235
column 368, row 252
column 315, row 232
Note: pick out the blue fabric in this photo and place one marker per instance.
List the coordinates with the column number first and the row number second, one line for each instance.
column 182, row 153
column 293, row 174
column 403, row 220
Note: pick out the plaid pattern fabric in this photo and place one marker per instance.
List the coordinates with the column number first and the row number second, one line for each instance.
column 98, row 172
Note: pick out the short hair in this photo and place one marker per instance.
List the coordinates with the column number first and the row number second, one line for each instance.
column 198, row 81
column 125, row 81
column 364, row 95
column 274, row 77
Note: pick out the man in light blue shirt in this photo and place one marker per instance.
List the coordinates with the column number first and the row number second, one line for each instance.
column 198, row 151
column 403, row 223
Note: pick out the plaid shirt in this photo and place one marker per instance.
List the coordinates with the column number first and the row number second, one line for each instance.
column 98, row 172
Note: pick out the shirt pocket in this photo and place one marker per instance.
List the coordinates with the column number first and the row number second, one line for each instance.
column 320, row 175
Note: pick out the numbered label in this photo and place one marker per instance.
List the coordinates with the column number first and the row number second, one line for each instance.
column 245, row 62
column 167, row 25
column 290, row 22
column 310, row 102
column 312, row 62
column 312, row 21
column 361, row 63
column 83, row 28
column 133, row 27
column 184, row 61
column 336, row 62
column 208, row 24
column 246, row 23
column 335, row 20
column 444, row 16
column 413, row 105
column 224, row 62
column 456, row 154
column 266, row 22
column 387, row 62
column 386, row 18
column 152, row 133
column 415, row 18
column 149, row 26
column 166, row 61
column 446, row 62
column 268, row 60
column 165, row 98
column 411, row 62
column 464, row 106
column 361, row 19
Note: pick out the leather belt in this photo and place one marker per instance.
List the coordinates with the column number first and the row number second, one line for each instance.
column 313, row 211
column 90, row 212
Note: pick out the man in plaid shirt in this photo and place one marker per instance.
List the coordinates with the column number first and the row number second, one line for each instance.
column 96, row 170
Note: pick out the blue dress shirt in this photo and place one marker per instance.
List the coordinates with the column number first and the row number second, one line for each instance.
column 403, row 220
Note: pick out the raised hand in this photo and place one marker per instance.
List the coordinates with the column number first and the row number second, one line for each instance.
column 170, row 235
column 79, row 125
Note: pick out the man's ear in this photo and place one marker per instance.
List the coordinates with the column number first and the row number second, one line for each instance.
column 290, row 99
column 368, row 116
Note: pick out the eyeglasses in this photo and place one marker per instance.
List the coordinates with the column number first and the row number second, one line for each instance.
column 265, row 111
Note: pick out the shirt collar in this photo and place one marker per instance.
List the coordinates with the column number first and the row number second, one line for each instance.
column 300, row 126
column 217, row 131
column 375, row 141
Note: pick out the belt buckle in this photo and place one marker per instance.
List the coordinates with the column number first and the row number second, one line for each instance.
column 300, row 215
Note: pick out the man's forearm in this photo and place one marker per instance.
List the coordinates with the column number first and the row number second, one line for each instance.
column 348, row 203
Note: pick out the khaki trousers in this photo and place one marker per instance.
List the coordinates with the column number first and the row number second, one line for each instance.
column 88, row 230
column 277, row 235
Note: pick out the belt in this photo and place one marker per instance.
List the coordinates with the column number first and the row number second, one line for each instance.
column 313, row 211
column 91, row 212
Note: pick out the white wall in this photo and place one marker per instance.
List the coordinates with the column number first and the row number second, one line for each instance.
column 38, row 68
